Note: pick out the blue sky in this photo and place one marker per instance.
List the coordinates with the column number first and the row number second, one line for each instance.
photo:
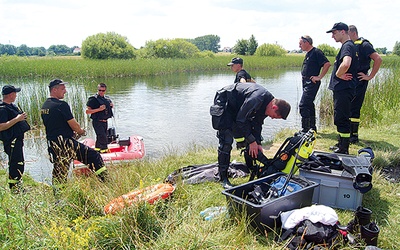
column 49, row 22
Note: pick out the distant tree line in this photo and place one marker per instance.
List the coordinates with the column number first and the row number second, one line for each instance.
column 24, row 50
column 111, row 45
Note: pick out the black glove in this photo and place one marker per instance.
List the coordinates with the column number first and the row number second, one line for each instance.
column 263, row 159
column 241, row 145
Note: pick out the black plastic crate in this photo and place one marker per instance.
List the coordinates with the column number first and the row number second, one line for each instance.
column 266, row 216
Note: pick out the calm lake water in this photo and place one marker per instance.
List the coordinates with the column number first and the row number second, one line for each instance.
column 170, row 112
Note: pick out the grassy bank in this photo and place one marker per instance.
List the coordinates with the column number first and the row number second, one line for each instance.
column 75, row 220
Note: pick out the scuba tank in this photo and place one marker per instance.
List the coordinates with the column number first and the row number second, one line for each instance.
column 292, row 153
column 299, row 151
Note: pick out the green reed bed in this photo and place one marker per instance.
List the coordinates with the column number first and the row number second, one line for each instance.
column 32, row 97
column 381, row 100
column 75, row 67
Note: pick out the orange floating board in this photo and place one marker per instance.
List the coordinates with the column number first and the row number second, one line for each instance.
column 149, row 194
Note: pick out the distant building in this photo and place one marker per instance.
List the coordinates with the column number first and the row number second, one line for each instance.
column 227, row 49
column 77, row 50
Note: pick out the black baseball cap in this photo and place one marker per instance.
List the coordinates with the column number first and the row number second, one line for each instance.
column 339, row 26
column 56, row 82
column 235, row 60
column 8, row 89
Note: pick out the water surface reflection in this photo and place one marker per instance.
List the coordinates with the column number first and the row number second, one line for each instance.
column 169, row 112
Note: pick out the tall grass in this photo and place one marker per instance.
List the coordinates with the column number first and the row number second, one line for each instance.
column 74, row 219
column 381, row 100
column 32, row 97
column 74, row 67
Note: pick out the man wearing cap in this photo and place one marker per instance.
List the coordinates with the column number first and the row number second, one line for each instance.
column 60, row 127
column 311, row 80
column 244, row 106
column 366, row 52
column 13, row 125
column 236, row 65
column 343, row 83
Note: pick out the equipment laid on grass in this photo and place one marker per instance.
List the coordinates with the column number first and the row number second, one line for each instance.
column 264, row 208
column 149, row 194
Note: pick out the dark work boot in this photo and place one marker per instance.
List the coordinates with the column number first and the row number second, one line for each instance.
column 362, row 217
column 305, row 124
column 313, row 122
column 370, row 233
column 223, row 175
column 343, row 145
column 354, row 132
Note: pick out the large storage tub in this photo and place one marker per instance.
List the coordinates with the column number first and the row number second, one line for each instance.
column 266, row 216
column 336, row 189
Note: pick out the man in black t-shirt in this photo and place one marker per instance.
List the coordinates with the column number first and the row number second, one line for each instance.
column 311, row 80
column 343, row 83
column 13, row 125
column 366, row 52
column 236, row 65
column 60, row 127
column 99, row 107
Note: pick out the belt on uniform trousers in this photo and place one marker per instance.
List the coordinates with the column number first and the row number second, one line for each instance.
column 102, row 120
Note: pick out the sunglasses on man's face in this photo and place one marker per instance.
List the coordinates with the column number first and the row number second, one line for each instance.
column 101, row 90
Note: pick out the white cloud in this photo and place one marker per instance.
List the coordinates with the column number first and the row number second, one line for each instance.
column 46, row 22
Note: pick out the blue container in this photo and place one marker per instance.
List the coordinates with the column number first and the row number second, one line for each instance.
column 266, row 216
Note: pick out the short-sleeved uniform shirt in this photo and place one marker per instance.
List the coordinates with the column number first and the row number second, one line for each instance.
column 348, row 49
column 242, row 74
column 365, row 49
column 313, row 62
column 55, row 114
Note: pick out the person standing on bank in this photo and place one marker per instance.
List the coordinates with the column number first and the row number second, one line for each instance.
column 311, row 80
column 366, row 52
column 61, row 128
column 238, row 112
column 236, row 65
column 343, row 83
column 13, row 125
column 99, row 107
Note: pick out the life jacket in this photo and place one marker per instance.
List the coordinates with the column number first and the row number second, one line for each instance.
column 17, row 129
column 105, row 114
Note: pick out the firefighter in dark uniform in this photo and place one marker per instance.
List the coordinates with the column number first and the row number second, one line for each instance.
column 366, row 52
column 13, row 125
column 247, row 107
column 61, row 128
column 311, row 81
column 99, row 106
column 236, row 65
column 343, row 83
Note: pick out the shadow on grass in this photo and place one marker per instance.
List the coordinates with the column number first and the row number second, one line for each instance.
column 379, row 205
column 375, row 145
